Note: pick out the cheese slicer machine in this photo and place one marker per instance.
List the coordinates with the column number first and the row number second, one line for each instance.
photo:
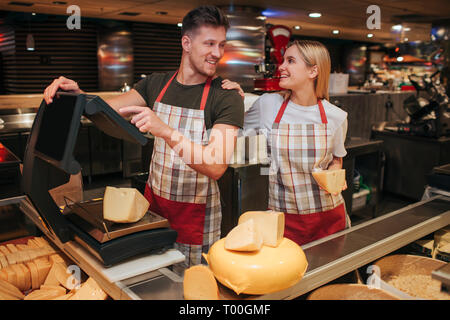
column 49, row 162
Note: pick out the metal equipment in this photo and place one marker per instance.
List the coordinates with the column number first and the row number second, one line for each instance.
column 278, row 39
column 48, row 163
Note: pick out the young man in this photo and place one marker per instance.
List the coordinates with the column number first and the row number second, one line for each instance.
column 195, row 123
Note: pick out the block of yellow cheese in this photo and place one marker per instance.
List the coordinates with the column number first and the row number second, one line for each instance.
column 331, row 181
column 124, row 205
column 199, row 284
column 264, row 271
column 89, row 290
column 269, row 223
column 7, row 287
column 244, row 237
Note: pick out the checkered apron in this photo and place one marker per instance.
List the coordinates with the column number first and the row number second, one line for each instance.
column 188, row 199
column 311, row 213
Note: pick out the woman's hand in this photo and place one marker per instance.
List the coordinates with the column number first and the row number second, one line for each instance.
column 60, row 83
column 231, row 85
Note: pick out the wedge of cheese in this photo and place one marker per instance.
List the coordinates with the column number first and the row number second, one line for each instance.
column 7, row 287
column 199, row 284
column 124, row 205
column 244, row 237
column 269, row 223
column 331, row 181
column 89, row 290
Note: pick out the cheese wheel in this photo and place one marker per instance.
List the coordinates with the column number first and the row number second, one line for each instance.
column 199, row 284
column 124, row 205
column 331, row 180
column 259, row 272
column 244, row 237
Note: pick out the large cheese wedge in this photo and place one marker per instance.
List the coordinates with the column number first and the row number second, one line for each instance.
column 244, row 237
column 331, row 181
column 258, row 272
column 124, row 205
column 46, row 294
column 89, row 290
column 269, row 223
column 199, row 284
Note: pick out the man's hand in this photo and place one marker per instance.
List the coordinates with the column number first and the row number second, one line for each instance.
column 146, row 121
column 230, row 85
column 60, row 83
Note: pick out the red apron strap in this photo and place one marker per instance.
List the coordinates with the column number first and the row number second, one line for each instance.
column 323, row 116
column 281, row 111
column 163, row 91
column 205, row 93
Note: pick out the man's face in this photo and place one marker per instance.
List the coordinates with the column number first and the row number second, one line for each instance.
column 206, row 48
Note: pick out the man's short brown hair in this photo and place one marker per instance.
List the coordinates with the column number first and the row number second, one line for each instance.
column 204, row 16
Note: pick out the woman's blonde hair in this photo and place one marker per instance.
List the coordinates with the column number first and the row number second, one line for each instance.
column 315, row 53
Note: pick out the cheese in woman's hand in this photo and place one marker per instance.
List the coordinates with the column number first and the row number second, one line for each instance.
column 331, row 181
column 124, row 205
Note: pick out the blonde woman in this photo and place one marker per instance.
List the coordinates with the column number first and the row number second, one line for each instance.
column 304, row 132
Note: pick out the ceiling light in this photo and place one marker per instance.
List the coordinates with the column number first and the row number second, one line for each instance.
column 399, row 59
column 406, row 39
column 370, row 35
column 315, row 15
column 335, row 31
column 30, row 42
column 407, row 29
column 297, row 27
column 33, row 13
column 397, row 27
column 180, row 24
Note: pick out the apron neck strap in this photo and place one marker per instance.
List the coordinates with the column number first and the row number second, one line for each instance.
column 323, row 116
column 204, row 95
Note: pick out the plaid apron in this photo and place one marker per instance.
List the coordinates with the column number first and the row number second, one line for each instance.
column 310, row 212
column 188, row 199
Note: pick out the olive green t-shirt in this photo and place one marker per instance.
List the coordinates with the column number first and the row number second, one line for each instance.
column 222, row 106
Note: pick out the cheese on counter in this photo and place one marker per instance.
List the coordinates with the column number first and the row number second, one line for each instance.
column 124, row 205
column 269, row 223
column 261, row 272
column 89, row 290
column 331, row 181
column 199, row 284
column 244, row 237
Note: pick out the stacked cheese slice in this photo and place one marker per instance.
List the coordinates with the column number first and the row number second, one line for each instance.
column 40, row 272
column 254, row 229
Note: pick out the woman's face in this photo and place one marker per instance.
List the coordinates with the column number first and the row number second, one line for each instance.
column 295, row 74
